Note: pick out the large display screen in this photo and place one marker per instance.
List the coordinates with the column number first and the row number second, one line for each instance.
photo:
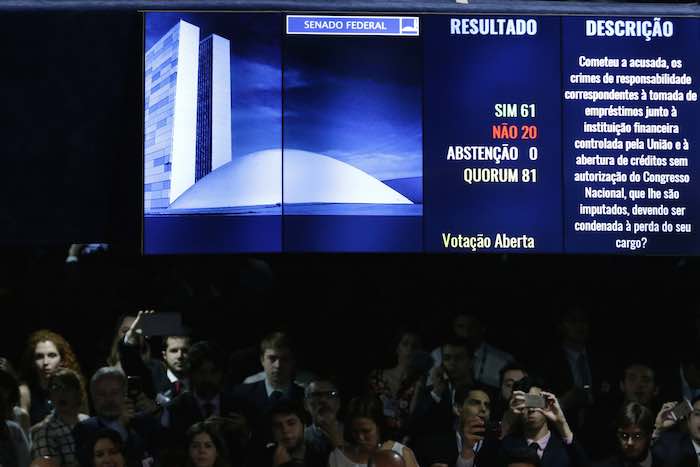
column 272, row 132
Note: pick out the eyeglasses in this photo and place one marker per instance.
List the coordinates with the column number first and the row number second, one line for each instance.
column 626, row 437
column 320, row 394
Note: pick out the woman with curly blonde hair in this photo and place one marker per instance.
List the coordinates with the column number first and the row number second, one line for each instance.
column 44, row 353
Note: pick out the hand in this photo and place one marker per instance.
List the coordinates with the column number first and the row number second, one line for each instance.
column 665, row 419
column 329, row 427
column 281, row 456
column 76, row 249
column 438, row 375
column 135, row 329
column 555, row 414
column 517, row 402
column 473, row 431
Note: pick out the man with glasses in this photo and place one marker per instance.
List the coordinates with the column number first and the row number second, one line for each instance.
column 322, row 401
column 634, row 425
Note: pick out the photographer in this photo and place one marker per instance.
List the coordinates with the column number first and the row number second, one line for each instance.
column 544, row 427
column 673, row 445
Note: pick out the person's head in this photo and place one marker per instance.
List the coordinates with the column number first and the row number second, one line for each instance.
column 66, row 392
column 457, row 360
column 365, row 422
column 175, row 350
column 521, row 457
column 690, row 364
column 277, row 359
column 108, row 450
column 510, row 374
column 205, row 365
column 638, row 384
column 407, row 343
column 287, row 423
column 386, row 458
column 574, row 326
column 44, row 461
column 322, row 400
column 472, row 401
column 468, row 325
column 634, row 424
column 694, row 420
column 533, row 419
column 108, row 390
column 44, row 353
column 205, row 447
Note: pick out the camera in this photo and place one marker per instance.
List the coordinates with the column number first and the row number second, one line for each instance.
column 534, row 401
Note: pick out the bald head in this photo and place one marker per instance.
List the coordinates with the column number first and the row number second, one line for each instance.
column 44, row 462
column 386, row 458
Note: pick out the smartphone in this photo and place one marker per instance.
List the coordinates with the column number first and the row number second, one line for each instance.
column 162, row 324
column 534, row 401
column 681, row 410
column 133, row 387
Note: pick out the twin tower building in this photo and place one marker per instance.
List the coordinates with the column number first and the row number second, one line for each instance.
column 187, row 112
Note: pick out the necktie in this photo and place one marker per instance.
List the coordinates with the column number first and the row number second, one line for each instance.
column 275, row 396
column 177, row 388
column 208, row 408
column 535, row 448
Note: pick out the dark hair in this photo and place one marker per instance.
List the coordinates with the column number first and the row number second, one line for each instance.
column 367, row 406
column 636, row 363
column 164, row 343
column 286, row 406
column 458, row 342
column 105, row 433
column 204, row 351
column 521, row 456
column 210, row 429
column 529, row 382
column 405, row 330
column 68, row 378
column 462, row 392
column 276, row 340
column 510, row 367
column 634, row 413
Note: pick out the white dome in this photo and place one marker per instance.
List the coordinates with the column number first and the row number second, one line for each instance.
column 256, row 179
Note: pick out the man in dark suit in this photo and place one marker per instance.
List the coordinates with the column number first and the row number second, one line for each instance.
column 205, row 366
column 162, row 380
column 277, row 359
column 571, row 370
column 471, row 444
column 674, row 447
column 634, row 425
column 433, row 412
column 556, row 447
column 140, row 432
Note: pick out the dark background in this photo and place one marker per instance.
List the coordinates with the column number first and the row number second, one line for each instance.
column 71, row 162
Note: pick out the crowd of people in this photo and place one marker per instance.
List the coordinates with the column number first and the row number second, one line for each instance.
column 465, row 403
